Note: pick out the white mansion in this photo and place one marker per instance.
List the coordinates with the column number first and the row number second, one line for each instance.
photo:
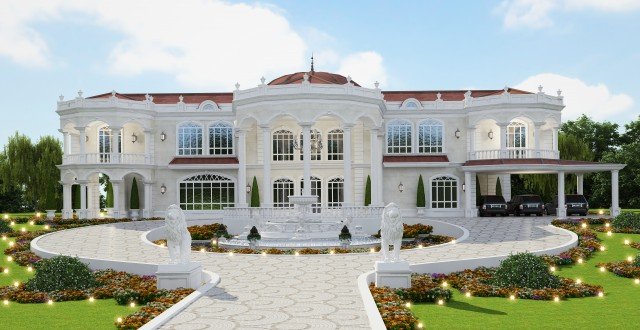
column 203, row 150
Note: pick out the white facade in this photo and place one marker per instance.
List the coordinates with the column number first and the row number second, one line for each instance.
column 349, row 133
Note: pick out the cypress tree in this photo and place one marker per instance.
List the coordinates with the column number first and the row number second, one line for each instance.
column 498, row 187
column 75, row 199
column 421, row 200
column 134, row 201
column 367, row 192
column 478, row 192
column 255, row 193
column 109, row 199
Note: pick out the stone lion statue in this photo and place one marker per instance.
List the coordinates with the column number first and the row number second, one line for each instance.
column 391, row 230
column 178, row 237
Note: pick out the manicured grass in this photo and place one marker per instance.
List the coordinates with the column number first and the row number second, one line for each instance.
column 617, row 310
column 99, row 314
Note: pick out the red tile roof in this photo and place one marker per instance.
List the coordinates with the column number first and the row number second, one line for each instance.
column 315, row 77
column 172, row 98
column 455, row 95
column 529, row 161
column 203, row 160
column 416, row 159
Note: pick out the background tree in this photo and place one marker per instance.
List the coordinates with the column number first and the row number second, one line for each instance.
column 367, row 192
column 46, row 187
column 18, row 169
column 420, row 198
column 601, row 137
column 631, row 133
column 498, row 187
column 629, row 179
column 255, row 193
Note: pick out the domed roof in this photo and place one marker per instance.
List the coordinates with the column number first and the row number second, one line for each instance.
column 315, row 77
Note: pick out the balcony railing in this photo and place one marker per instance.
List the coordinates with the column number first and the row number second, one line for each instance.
column 514, row 154
column 107, row 158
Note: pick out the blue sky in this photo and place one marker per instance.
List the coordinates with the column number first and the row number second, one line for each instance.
column 586, row 48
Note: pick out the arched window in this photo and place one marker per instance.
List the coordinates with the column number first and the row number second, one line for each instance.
column 399, row 137
column 316, row 190
column 516, row 135
column 411, row 104
column 220, row 139
column 430, row 134
column 335, row 145
column 190, row 139
column 444, row 192
column 335, row 191
column 316, row 145
column 208, row 107
column 282, row 189
column 107, row 144
column 206, row 192
column 282, row 145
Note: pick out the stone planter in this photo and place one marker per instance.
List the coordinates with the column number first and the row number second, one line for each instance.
column 135, row 213
column 253, row 243
column 109, row 212
column 51, row 214
column 344, row 243
column 421, row 211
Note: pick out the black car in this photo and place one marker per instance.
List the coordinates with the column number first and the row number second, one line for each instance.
column 492, row 205
column 525, row 205
column 575, row 204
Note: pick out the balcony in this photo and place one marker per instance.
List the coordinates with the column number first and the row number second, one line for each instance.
column 514, row 154
column 107, row 158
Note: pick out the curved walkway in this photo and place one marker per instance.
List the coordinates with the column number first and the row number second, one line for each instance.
column 294, row 292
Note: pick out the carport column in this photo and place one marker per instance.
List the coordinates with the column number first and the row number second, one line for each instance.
column 266, row 165
column 306, row 157
column 67, row 209
column 615, row 208
column 562, row 210
column 118, row 200
column 82, row 213
column 470, row 210
column 348, row 178
column 242, row 168
column 148, row 200
column 503, row 140
column 580, row 184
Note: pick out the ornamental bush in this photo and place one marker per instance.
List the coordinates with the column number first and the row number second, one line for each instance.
column 134, row 202
column 421, row 200
column 525, row 270
column 4, row 227
column 367, row 192
column 636, row 262
column 626, row 220
column 253, row 234
column 61, row 273
column 344, row 234
column 255, row 193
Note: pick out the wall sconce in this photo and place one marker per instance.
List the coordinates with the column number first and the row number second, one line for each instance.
column 464, row 186
column 86, row 138
column 163, row 136
column 457, row 133
column 163, row 189
column 490, row 134
column 248, row 188
column 134, row 138
column 400, row 187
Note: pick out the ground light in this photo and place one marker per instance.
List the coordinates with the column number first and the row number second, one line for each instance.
column 408, row 305
column 556, row 299
column 630, row 259
column 132, row 305
column 609, row 233
column 9, row 258
column 91, row 299
column 512, row 297
column 445, row 284
column 584, row 225
column 440, row 302
column 50, row 302
column 264, row 253
column 203, row 250
column 468, row 294
column 637, row 281
column 29, row 269
column 119, row 320
column 603, row 269
column 31, row 223
column 626, row 242
column 578, row 281
column 5, row 302
column 46, row 227
column 602, row 248
column 580, row 260
column 600, row 294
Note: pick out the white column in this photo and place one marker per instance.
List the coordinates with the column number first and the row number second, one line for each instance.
column 378, row 164
column 536, row 139
column 67, row 209
column 503, row 140
column 114, row 158
column 555, row 139
column 242, row 168
column 580, row 184
column 562, row 210
column 148, row 140
column 469, row 194
column 348, row 177
column 148, row 200
column 266, row 166
column 118, row 199
column 66, row 144
column 306, row 157
column 615, row 201
column 375, row 149
column 83, row 200
column 83, row 144
column 471, row 137
column 205, row 140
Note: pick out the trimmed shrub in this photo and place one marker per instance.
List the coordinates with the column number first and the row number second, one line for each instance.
column 61, row 273
column 109, row 199
column 421, row 200
column 4, row 227
column 498, row 188
column 627, row 220
column 525, row 270
column 134, row 202
column 253, row 234
column 255, row 193
column 344, row 234
column 636, row 262
column 367, row 192
column 478, row 191
column 206, row 232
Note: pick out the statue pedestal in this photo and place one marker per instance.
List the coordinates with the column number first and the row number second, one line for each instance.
column 393, row 274
column 179, row 276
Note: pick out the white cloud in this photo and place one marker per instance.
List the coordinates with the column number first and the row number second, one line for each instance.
column 596, row 101
column 365, row 68
column 536, row 13
column 204, row 44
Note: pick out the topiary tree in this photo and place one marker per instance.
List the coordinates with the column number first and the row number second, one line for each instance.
column 421, row 199
column 134, row 200
column 61, row 273
column 75, row 199
column 478, row 191
column 255, row 193
column 109, row 200
column 367, row 192
column 253, row 234
column 498, row 188
column 344, row 234
column 636, row 261
column 525, row 270
column 4, row 227
column 626, row 220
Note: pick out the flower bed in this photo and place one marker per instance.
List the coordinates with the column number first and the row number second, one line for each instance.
column 207, row 232
column 622, row 269
column 393, row 309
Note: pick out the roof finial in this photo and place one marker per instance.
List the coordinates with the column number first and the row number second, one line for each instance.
column 312, row 70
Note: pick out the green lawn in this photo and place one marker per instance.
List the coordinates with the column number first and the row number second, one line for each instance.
column 99, row 314
column 617, row 310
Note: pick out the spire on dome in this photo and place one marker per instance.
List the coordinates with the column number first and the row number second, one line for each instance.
column 312, row 70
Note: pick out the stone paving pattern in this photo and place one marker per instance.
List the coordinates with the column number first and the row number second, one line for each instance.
column 295, row 292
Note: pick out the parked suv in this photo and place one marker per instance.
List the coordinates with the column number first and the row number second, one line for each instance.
column 526, row 204
column 492, row 205
column 575, row 204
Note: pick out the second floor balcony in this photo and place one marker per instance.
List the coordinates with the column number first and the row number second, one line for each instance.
column 520, row 153
column 108, row 158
